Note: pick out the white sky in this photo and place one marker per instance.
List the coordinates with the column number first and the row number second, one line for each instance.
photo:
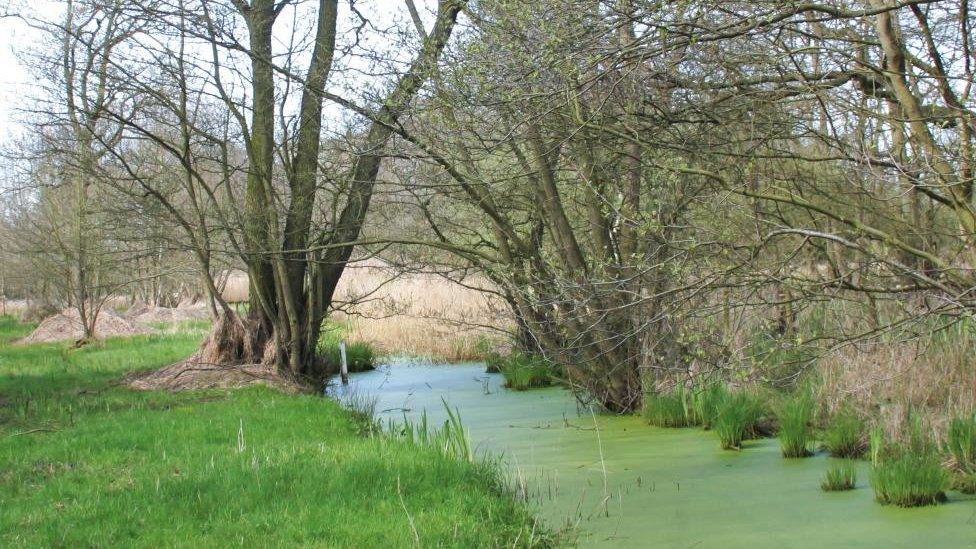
column 16, row 82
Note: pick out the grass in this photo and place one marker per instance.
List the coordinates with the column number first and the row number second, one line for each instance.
column 839, row 477
column 707, row 398
column 910, row 473
column 360, row 355
column 87, row 462
column 844, row 436
column 523, row 372
column 686, row 407
column 674, row 409
column 961, row 447
column 737, row 418
column 795, row 415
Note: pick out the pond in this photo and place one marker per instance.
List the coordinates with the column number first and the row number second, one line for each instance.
column 622, row 483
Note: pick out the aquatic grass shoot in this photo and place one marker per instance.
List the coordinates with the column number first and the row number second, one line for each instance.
column 674, row 409
column 707, row 398
column 960, row 445
column 839, row 477
column 523, row 372
column 795, row 415
column 844, row 436
column 737, row 419
column 909, row 474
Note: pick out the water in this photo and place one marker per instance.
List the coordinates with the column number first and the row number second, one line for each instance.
column 622, row 483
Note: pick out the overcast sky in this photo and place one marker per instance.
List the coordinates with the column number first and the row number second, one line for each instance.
column 16, row 35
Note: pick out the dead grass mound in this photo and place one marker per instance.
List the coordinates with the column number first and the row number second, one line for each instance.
column 67, row 326
column 195, row 374
column 152, row 315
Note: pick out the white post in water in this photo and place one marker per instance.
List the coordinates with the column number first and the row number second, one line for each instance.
column 343, row 365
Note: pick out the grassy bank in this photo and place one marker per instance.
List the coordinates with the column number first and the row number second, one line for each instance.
column 85, row 461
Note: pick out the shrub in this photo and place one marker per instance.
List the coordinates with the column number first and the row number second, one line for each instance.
column 961, row 447
column 909, row 474
column 844, row 437
column 524, row 372
column 839, row 477
column 736, row 419
column 794, row 417
column 674, row 409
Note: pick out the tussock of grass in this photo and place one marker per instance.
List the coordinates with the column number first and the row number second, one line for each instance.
column 961, row 447
column 795, row 415
column 524, row 372
column 737, row 418
column 203, row 469
column 707, row 398
column 360, row 356
column 844, row 436
column 674, row 409
column 909, row 474
column 839, row 478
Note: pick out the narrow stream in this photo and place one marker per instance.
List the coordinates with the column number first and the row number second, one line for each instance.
column 625, row 484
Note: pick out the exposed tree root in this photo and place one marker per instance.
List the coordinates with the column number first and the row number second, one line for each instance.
column 236, row 353
column 195, row 374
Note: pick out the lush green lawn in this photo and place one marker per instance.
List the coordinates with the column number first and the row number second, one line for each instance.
column 87, row 462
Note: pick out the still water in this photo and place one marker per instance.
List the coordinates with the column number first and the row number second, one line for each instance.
column 619, row 482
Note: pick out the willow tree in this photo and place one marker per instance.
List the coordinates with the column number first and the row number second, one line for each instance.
column 192, row 64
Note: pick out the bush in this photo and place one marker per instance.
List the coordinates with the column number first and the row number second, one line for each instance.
column 909, row 474
column 674, row 409
column 839, row 477
column 844, row 437
column 794, row 417
column 524, row 372
column 737, row 419
column 961, row 447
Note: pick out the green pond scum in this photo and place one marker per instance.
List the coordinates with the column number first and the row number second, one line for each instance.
column 614, row 481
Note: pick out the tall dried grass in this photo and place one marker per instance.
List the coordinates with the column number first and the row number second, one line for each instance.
column 891, row 381
column 419, row 314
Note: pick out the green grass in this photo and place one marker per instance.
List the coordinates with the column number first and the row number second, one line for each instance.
column 737, row 418
column 523, row 372
column 961, row 447
column 909, row 474
column 844, row 435
column 795, row 415
column 839, row 477
column 360, row 356
column 12, row 330
column 674, row 409
column 707, row 398
column 87, row 462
